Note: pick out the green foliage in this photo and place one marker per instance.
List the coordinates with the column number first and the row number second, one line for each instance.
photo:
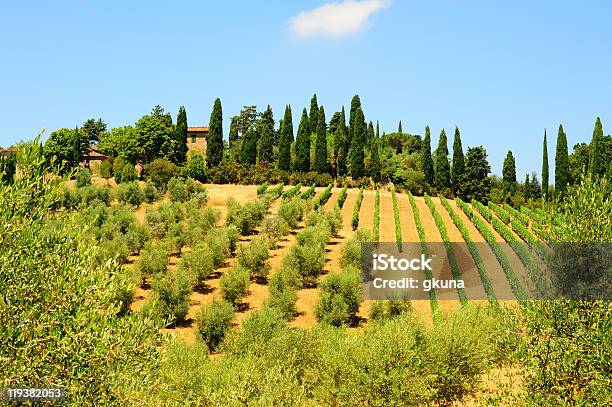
column 274, row 228
column 180, row 136
column 170, row 299
column 376, row 229
column 266, row 142
column 320, row 162
column 450, row 252
column 291, row 192
column 500, row 212
column 154, row 137
column 350, row 254
column 286, row 138
column 341, row 143
column 196, row 168
column 150, row 192
column 127, row 173
column 482, row 271
column 246, row 217
column 263, row 188
column 274, row 193
column 153, row 259
column 248, row 150
column 342, row 197
column 309, row 193
column 292, row 211
column 160, row 171
column 283, row 294
column 130, row 194
column 427, row 164
column 66, row 147
column 433, row 302
column 83, row 177
column 340, row 298
column 388, row 309
column 509, row 173
column 214, row 321
column 184, row 189
column 302, row 144
column 597, row 160
column 476, row 183
column 234, row 285
column 458, row 162
column 545, row 166
column 358, row 136
column 524, row 219
column 396, row 217
column 355, row 218
column 562, row 171
column 253, row 256
column 332, row 220
column 106, row 168
column 198, row 263
column 442, row 177
column 214, row 139
column 323, row 197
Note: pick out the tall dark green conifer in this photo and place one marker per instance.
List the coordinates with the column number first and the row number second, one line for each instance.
column 476, row 184
column 426, row 160
column 370, row 135
column 509, row 173
column 341, row 145
column 458, row 161
column 320, row 163
column 545, row 166
column 214, row 140
column 314, row 114
column 375, row 158
column 265, row 132
column 357, row 144
column 302, row 144
column 355, row 105
column 442, row 176
column 286, row 138
column 180, row 136
column 248, row 151
column 233, row 131
column 562, row 170
column 527, row 187
column 597, row 160
column 399, row 128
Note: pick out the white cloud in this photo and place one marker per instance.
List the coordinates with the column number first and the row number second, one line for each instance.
column 335, row 19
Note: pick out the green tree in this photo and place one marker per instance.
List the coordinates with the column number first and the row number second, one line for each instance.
column 180, row 136
column 527, row 187
column 92, row 129
column 357, row 144
column 509, row 173
column 562, row 171
column 355, row 106
column 341, row 145
column 265, row 133
column 302, row 144
column 370, row 135
column 286, row 138
column 427, row 164
column 248, row 117
column 121, row 142
column 399, row 128
column 320, row 163
column 248, row 152
column 314, row 115
column 442, row 173
column 154, row 136
column 234, row 130
column 214, row 139
column 545, row 166
column 476, row 182
column 597, row 161
column 375, row 167
column 67, row 146
column 8, row 167
column 458, row 161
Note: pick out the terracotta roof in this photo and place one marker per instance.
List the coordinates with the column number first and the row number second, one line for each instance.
column 197, row 129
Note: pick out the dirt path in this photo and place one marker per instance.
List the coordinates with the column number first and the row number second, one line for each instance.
column 496, row 274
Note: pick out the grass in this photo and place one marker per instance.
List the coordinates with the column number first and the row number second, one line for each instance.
column 355, row 219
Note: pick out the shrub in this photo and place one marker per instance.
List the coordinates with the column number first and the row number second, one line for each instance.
column 292, row 212
column 220, row 244
column 106, row 168
column 160, row 171
column 178, row 190
column 283, row 294
column 500, row 212
column 177, row 235
column 83, row 177
column 137, row 235
column 114, row 248
column 342, row 197
column 524, row 219
column 214, row 321
column 253, row 256
column 291, row 192
column 130, row 193
column 355, row 220
column 153, row 259
column 332, row 219
column 170, row 300
column 234, row 285
column 389, row 309
column 150, row 192
column 307, row 259
column 324, row 197
column 309, row 193
column 262, row 188
column 198, row 263
column 118, row 164
column 350, row 255
column 128, row 174
column 274, row 227
column 247, row 216
column 93, row 195
column 340, row 298
column 275, row 192
column 196, row 168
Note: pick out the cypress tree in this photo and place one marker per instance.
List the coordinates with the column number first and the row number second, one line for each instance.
column 377, row 130
column 233, row 131
column 314, row 113
column 399, row 128
column 442, row 170
column 286, row 138
column 180, row 135
column 527, row 187
column 357, row 144
column 562, row 171
column 341, row 145
column 214, row 140
column 476, row 184
column 265, row 144
column 545, row 166
column 597, row 160
column 302, row 144
column 248, row 152
column 375, row 158
column 320, row 161
column 458, row 161
column 426, row 160
column 370, row 136
column 509, row 173
column 355, row 105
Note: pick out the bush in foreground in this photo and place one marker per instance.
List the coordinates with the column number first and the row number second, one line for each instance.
column 234, row 285
column 253, row 256
column 130, row 193
column 170, row 300
column 214, row 321
column 340, row 298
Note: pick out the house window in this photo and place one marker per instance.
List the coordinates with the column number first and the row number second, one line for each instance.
column 193, row 139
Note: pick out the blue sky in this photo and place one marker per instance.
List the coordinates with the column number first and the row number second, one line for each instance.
column 500, row 71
